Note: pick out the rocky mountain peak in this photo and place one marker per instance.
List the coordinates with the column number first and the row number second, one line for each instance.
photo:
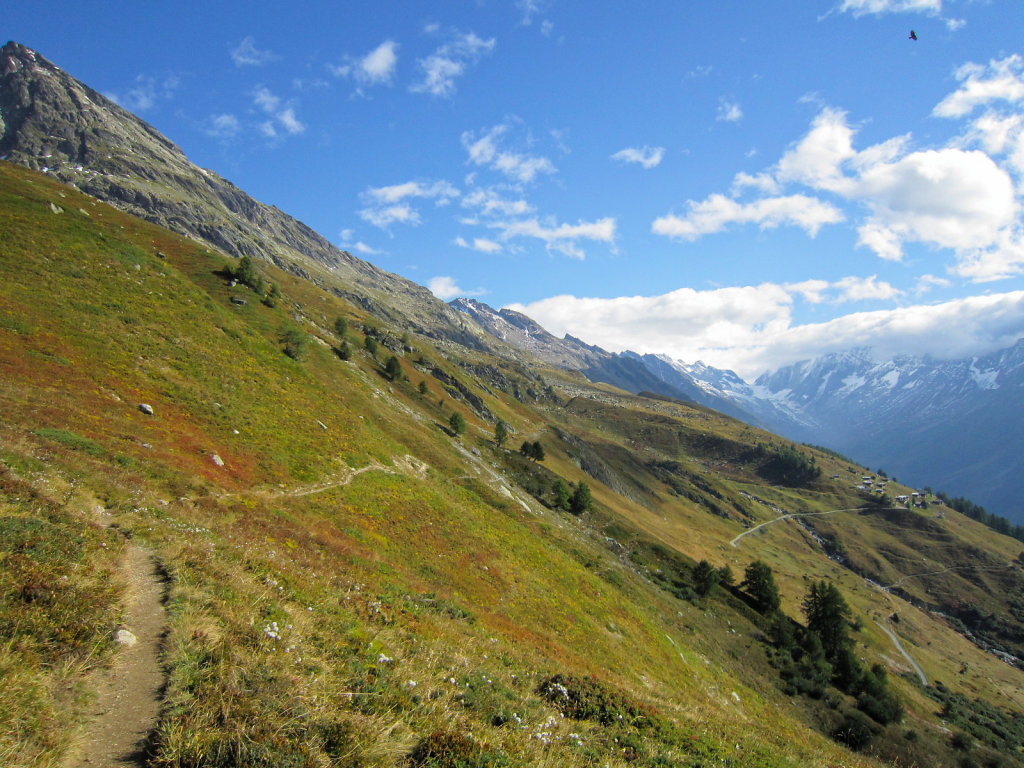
column 51, row 122
column 15, row 56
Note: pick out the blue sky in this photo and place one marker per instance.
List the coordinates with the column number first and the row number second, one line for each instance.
column 747, row 183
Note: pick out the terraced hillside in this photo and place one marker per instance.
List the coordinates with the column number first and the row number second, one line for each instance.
column 351, row 581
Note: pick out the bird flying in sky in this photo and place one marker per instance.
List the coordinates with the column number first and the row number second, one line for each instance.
column 913, row 35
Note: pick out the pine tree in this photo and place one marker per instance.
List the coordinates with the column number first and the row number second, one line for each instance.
column 827, row 616
column 759, row 583
column 500, row 433
column 457, row 423
column 393, row 368
column 581, row 500
column 562, row 494
column 705, row 578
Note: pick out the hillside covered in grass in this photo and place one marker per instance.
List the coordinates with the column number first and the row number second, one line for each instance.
column 352, row 579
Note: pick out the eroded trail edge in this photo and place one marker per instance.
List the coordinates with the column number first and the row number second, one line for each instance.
column 128, row 694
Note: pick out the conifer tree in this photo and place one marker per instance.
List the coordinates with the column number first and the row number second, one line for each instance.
column 759, row 583
column 500, row 433
column 581, row 499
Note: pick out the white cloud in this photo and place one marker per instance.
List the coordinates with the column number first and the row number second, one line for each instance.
column 283, row 115
column 449, row 62
column 949, row 198
column 384, row 216
column 811, row 291
column 291, row 124
column 926, row 282
column 999, row 81
column 718, row 211
column 375, row 68
column 481, row 244
column 246, row 54
column 347, row 235
column 378, row 66
column 561, row 238
column 648, row 157
column 729, row 111
column 224, row 126
column 492, row 201
column 487, row 151
column 529, row 9
column 763, row 182
column 389, row 205
column 366, row 250
column 265, row 100
column 956, row 198
column 445, row 288
column 864, row 288
column 146, row 93
column 749, row 329
column 861, row 7
column 439, row 191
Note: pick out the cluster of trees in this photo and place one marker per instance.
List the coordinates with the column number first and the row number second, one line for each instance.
column 787, row 465
column 977, row 512
column 707, row 578
column 821, row 653
column 246, row 274
column 576, row 501
column 534, row 450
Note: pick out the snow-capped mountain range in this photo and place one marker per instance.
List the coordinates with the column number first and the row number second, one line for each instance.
column 955, row 425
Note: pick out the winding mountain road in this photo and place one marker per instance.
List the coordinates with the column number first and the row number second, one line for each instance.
column 788, row 515
column 899, row 647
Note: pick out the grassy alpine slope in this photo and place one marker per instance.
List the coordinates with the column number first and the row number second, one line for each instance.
column 350, row 584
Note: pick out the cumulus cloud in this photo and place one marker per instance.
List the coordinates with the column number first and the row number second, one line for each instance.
column 862, row 7
column 487, row 150
column 718, row 211
column 960, row 198
column 375, row 68
column 981, row 85
column 950, row 198
column 389, row 205
column 750, row 329
column 246, row 54
column 648, row 157
column 449, row 62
